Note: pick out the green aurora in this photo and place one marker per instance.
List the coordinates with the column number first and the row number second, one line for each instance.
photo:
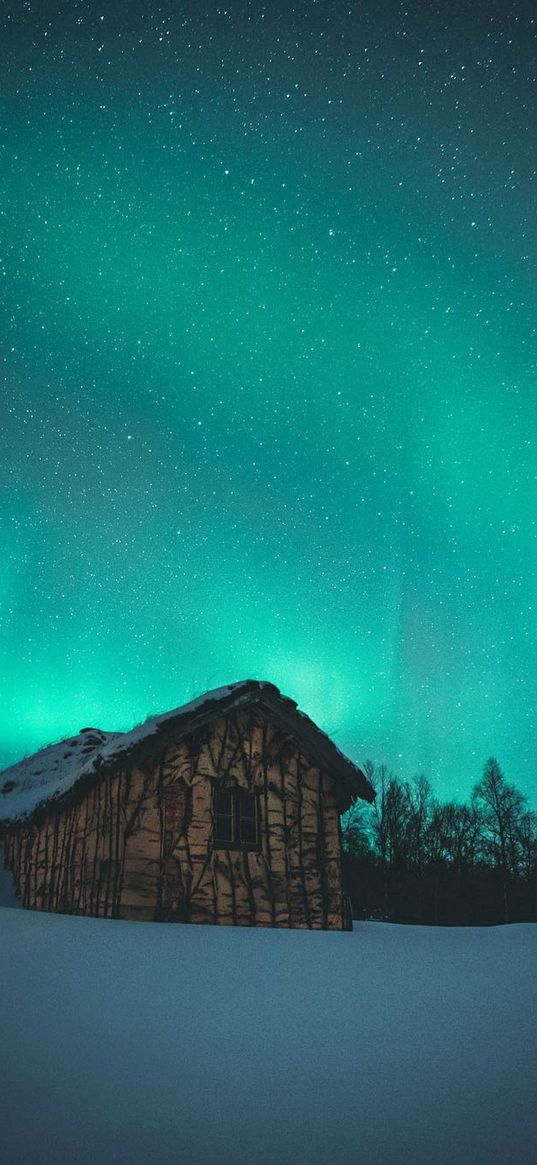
column 269, row 373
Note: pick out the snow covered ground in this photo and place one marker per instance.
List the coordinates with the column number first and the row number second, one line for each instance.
column 146, row 1044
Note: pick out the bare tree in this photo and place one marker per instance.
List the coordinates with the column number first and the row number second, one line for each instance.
column 418, row 815
column 501, row 807
column 356, row 829
column 527, row 845
column 454, row 834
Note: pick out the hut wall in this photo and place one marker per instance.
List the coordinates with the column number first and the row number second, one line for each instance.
column 139, row 843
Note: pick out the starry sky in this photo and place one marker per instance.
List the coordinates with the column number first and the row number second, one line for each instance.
column 269, row 352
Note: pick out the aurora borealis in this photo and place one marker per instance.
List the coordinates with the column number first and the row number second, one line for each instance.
column 269, row 306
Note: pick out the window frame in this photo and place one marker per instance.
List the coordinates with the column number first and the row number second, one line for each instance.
column 236, row 817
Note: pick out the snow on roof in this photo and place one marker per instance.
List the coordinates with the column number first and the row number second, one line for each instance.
column 54, row 770
column 51, row 772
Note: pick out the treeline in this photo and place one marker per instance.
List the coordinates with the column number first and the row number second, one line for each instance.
column 412, row 858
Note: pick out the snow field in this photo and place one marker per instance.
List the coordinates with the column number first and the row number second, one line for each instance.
column 146, row 1044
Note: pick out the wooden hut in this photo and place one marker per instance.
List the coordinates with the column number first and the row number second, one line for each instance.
column 225, row 811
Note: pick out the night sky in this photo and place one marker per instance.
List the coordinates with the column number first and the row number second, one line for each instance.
column 270, row 297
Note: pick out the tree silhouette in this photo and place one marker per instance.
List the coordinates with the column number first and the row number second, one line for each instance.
column 409, row 857
column 500, row 807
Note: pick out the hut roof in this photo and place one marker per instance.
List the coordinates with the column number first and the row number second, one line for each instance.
column 51, row 773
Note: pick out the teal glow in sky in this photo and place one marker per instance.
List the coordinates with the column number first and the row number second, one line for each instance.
column 269, row 371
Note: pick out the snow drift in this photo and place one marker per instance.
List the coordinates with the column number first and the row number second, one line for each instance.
column 136, row 1044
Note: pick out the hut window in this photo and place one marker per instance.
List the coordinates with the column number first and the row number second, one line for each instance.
column 247, row 818
column 224, row 815
column 236, row 819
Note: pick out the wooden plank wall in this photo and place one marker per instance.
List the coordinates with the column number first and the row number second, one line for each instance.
column 139, row 843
